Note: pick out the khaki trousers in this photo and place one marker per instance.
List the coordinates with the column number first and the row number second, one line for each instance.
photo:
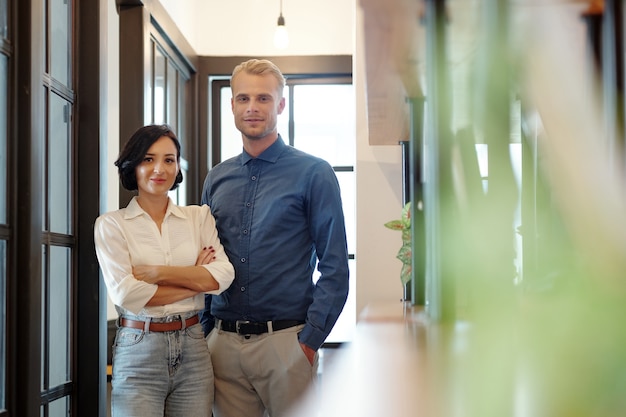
column 259, row 375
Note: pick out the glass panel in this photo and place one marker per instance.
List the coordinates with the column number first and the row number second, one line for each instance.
column 159, row 87
column 231, row 137
column 60, row 40
column 172, row 99
column 4, row 21
column 180, row 115
column 59, row 166
column 327, row 130
column 59, row 408
column 347, row 184
column 44, row 200
column 44, row 315
column 59, row 310
column 3, row 328
column 283, row 119
column 4, row 71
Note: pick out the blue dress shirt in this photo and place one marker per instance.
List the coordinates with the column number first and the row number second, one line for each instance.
column 277, row 215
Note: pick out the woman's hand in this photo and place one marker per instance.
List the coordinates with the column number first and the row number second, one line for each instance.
column 206, row 256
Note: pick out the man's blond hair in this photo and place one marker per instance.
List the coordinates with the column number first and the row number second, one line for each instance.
column 261, row 67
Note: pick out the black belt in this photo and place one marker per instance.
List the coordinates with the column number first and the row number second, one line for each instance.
column 245, row 327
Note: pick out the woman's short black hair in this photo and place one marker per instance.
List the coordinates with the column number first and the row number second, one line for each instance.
column 135, row 150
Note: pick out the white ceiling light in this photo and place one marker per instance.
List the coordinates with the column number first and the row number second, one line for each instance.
column 281, row 37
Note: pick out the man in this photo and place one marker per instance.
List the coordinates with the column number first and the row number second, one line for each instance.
column 278, row 211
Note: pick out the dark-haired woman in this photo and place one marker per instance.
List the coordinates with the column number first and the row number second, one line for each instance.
column 158, row 260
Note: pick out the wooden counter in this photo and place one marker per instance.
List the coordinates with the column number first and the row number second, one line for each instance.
column 390, row 368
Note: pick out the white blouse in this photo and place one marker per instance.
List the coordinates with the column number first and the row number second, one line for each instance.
column 129, row 237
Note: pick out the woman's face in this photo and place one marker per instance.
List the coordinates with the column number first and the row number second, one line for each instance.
column 157, row 172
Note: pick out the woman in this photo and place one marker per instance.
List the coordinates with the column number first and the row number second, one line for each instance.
column 158, row 260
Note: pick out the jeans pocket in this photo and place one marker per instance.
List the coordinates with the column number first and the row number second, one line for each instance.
column 195, row 332
column 128, row 337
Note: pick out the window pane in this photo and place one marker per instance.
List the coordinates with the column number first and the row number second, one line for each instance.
column 283, row 119
column 59, row 311
column 60, row 41
column 230, row 137
column 4, row 71
column 326, row 130
column 44, row 325
column 172, row 99
column 159, row 87
column 57, row 408
column 59, row 166
column 3, row 328
column 347, row 184
column 4, row 21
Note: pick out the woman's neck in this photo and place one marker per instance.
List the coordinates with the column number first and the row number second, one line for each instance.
column 155, row 206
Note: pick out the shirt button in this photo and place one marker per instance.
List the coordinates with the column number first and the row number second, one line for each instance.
column 253, row 178
column 245, row 232
column 242, row 260
column 243, row 289
column 248, row 204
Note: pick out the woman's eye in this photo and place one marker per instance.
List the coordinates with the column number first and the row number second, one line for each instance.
column 147, row 159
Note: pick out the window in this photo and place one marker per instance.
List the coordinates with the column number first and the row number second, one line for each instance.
column 319, row 118
column 58, row 240
column 167, row 106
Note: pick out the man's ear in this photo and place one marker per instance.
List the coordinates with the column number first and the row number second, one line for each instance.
column 281, row 105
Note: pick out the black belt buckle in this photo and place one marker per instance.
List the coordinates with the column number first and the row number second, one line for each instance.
column 243, row 327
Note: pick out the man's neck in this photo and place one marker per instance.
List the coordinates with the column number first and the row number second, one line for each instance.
column 256, row 147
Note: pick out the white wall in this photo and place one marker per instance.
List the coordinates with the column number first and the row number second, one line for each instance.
column 325, row 27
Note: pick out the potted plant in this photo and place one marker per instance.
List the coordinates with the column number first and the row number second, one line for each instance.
column 405, row 254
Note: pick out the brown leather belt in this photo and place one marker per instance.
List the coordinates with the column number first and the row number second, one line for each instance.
column 169, row 326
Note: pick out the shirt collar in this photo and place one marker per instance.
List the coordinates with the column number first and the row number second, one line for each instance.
column 271, row 154
column 134, row 209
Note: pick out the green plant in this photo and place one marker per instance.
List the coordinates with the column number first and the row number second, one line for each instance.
column 405, row 254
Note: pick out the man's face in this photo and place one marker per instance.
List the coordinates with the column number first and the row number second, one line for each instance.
column 256, row 104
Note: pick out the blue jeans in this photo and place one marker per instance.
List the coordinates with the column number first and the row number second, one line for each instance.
column 161, row 373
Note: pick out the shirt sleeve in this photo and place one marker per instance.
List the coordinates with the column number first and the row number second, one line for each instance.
column 327, row 228
column 114, row 259
column 221, row 268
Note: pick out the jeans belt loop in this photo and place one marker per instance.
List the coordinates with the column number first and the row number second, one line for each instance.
column 270, row 327
column 146, row 325
column 183, row 322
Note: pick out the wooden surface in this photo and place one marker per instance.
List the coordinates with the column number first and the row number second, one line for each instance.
column 386, row 371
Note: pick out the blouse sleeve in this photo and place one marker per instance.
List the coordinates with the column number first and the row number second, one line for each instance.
column 114, row 259
column 221, row 268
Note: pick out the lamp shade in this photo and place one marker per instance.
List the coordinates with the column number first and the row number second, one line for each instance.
column 281, row 36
